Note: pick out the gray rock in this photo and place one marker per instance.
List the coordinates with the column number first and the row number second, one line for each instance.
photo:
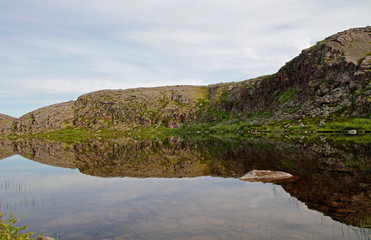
column 322, row 123
column 45, row 238
column 266, row 176
column 345, row 102
column 325, row 112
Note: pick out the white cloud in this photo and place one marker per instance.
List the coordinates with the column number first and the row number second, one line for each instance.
column 79, row 46
column 28, row 88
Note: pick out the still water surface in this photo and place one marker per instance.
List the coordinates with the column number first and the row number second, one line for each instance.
column 185, row 202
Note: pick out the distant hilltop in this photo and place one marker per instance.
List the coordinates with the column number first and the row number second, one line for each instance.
column 331, row 78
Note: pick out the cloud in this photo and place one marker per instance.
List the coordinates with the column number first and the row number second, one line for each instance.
column 26, row 88
column 75, row 47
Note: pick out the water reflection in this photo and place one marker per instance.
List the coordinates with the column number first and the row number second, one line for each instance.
column 334, row 179
column 17, row 194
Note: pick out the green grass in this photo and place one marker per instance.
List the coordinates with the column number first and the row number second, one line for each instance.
column 73, row 134
column 366, row 223
column 288, row 95
column 224, row 96
column 223, row 124
column 343, row 124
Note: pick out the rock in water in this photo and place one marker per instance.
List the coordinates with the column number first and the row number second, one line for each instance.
column 267, row 176
column 45, row 238
column 353, row 132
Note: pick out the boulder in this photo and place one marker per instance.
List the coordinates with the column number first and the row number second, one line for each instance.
column 352, row 132
column 267, row 176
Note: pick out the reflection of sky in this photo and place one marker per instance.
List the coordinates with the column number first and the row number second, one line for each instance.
column 24, row 165
column 85, row 207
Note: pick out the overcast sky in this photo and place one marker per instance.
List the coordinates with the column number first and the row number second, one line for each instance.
column 55, row 50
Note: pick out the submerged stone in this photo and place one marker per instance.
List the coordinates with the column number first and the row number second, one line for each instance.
column 267, row 176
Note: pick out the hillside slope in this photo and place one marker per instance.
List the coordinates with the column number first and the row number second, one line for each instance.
column 117, row 110
column 332, row 78
column 5, row 123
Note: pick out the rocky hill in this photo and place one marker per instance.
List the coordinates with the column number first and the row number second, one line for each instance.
column 5, row 123
column 332, row 78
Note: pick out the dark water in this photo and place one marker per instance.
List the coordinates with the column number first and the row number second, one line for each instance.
column 177, row 188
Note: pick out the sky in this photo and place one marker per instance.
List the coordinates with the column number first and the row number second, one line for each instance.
column 53, row 51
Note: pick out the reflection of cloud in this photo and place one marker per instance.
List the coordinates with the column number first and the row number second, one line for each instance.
column 16, row 194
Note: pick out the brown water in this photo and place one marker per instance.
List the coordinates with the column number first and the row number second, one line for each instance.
column 178, row 188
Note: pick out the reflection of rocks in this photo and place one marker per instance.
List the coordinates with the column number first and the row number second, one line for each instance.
column 127, row 157
column 139, row 159
column 44, row 151
column 268, row 176
column 335, row 178
column 343, row 195
column 5, row 148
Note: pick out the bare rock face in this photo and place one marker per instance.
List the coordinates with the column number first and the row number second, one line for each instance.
column 122, row 109
column 332, row 76
column 5, row 123
column 50, row 118
column 267, row 176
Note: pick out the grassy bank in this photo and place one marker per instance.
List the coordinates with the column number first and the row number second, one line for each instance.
column 340, row 124
column 272, row 129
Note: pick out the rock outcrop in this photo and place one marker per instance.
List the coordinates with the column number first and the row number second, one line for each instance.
column 6, row 123
column 50, row 118
column 123, row 109
column 330, row 78
column 333, row 76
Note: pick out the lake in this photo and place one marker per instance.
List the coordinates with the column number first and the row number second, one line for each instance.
column 188, row 188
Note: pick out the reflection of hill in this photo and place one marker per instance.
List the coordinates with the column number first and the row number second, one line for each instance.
column 126, row 157
column 334, row 178
column 53, row 153
column 5, row 148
